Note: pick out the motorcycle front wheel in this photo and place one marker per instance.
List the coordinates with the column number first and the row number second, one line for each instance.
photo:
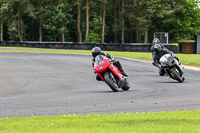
column 177, row 76
column 111, row 82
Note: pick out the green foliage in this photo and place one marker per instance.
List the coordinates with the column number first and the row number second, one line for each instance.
column 181, row 18
column 12, row 31
column 95, row 31
column 4, row 10
column 56, row 20
column 187, row 21
column 93, row 38
column 96, row 25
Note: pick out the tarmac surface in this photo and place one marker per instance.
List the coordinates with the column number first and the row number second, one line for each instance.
column 33, row 84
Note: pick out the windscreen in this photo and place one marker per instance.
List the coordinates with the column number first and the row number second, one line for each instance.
column 165, row 58
column 99, row 59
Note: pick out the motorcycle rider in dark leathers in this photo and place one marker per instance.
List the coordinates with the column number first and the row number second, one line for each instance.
column 97, row 51
column 158, row 50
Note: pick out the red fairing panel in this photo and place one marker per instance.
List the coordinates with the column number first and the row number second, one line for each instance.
column 115, row 71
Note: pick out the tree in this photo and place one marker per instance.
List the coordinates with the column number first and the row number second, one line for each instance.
column 103, row 17
column 63, row 17
column 3, row 16
column 37, row 14
column 95, row 31
column 78, row 3
column 147, row 12
column 96, row 23
column 87, row 19
column 56, row 20
column 122, row 17
column 115, row 20
column 106, row 21
column 187, row 21
column 40, row 19
column 16, row 24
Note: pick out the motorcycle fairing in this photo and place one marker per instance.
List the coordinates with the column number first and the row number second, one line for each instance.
column 170, row 64
column 101, row 77
column 101, row 64
column 115, row 71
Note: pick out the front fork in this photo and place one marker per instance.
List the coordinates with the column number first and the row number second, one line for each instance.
column 120, row 83
column 101, row 77
column 178, row 69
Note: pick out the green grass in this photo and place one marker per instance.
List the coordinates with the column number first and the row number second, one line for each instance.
column 189, row 59
column 161, row 122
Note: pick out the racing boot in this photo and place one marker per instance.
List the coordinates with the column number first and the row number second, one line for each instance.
column 123, row 72
column 119, row 66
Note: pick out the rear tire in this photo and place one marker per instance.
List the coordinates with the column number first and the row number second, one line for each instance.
column 126, row 86
column 110, row 82
column 183, row 78
column 177, row 76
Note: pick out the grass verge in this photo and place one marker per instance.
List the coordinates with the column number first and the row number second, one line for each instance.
column 188, row 59
column 165, row 122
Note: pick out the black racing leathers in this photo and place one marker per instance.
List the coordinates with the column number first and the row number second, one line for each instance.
column 104, row 54
column 157, row 55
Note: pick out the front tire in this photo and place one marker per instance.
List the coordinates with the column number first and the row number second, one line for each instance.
column 111, row 82
column 177, row 76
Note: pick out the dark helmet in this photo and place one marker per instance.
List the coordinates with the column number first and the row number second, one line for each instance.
column 96, row 51
column 156, row 41
column 158, row 48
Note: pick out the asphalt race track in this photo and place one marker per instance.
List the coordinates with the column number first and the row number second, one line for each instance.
column 55, row 84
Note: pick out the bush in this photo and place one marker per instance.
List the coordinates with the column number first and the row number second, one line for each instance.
column 93, row 38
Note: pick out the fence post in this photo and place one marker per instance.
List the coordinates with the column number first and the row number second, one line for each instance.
column 198, row 44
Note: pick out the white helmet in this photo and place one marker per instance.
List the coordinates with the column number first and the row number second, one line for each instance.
column 156, row 41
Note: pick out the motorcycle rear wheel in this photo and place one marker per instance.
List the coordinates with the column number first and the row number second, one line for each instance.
column 126, row 86
column 111, row 83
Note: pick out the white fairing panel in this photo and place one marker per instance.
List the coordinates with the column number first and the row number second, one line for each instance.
column 164, row 58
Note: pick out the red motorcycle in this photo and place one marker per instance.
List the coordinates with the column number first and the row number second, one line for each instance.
column 110, row 74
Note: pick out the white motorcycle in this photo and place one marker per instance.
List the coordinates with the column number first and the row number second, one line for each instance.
column 172, row 67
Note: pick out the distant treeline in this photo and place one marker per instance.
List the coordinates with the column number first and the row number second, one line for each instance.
column 98, row 21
